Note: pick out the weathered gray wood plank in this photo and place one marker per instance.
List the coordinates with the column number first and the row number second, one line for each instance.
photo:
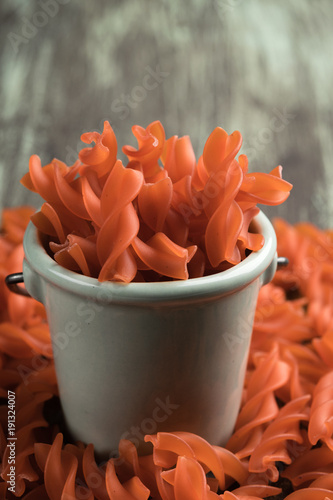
column 260, row 66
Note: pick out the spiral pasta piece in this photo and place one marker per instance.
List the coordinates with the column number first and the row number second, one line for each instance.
column 167, row 446
column 273, row 445
column 70, row 193
column 29, row 409
column 8, row 378
column 60, row 468
column 286, row 319
column 48, row 222
column 178, row 158
column 101, row 157
column 227, row 219
column 251, row 492
column 220, row 149
column 260, row 407
column 116, row 235
column 42, row 179
column 325, row 481
column 321, row 416
column 154, row 203
column 133, row 489
column 92, row 201
column 269, row 189
column 176, row 228
column 120, row 189
column 94, row 475
column 309, row 466
column 13, row 224
column 164, row 256
column 184, row 198
column 311, row 494
column 77, row 252
column 324, row 347
column 310, row 253
column 143, row 467
column 189, row 480
column 150, row 147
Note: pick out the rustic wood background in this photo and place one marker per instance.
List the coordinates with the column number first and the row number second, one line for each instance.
column 263, row 67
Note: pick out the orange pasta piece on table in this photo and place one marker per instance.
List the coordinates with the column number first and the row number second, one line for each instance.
column 260, row 406
column 143, row 467
column 60, row 469
column 254, row 491
column 324, row 347
column 189, row 480
column 14, row 222
column 321, row 416
column 167, row 446
column 273, row 445
column 133, row 489
column 311, row 494
column 94, row 476
column 325, row 481
column 309, row 465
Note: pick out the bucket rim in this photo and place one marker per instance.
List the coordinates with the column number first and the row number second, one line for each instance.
column 37, row 261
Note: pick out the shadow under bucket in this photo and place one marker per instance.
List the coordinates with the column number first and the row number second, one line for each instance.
column 135, row 359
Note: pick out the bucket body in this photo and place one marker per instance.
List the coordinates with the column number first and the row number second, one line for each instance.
column 135, row 359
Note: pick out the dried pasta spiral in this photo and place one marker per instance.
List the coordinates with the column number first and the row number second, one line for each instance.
column 321, row 416
column 260, row 404
column 279, row 433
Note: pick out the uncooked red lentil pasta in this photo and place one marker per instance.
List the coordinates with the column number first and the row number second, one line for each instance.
column 286, row 436
column 162, row 216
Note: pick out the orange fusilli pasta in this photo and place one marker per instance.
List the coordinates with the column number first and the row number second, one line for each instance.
column 281, row 434
column 162, row 216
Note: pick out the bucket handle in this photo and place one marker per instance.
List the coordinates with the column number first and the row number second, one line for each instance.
column 282, row 262
column 12, row 280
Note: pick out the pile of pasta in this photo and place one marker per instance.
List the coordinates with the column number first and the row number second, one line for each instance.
column 282, row 445
column 162, row 216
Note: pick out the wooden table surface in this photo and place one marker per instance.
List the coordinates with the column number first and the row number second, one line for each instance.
column 260, row 66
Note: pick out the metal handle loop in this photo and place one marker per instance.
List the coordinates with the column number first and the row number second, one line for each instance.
column 13, row 280
column 282, row 262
